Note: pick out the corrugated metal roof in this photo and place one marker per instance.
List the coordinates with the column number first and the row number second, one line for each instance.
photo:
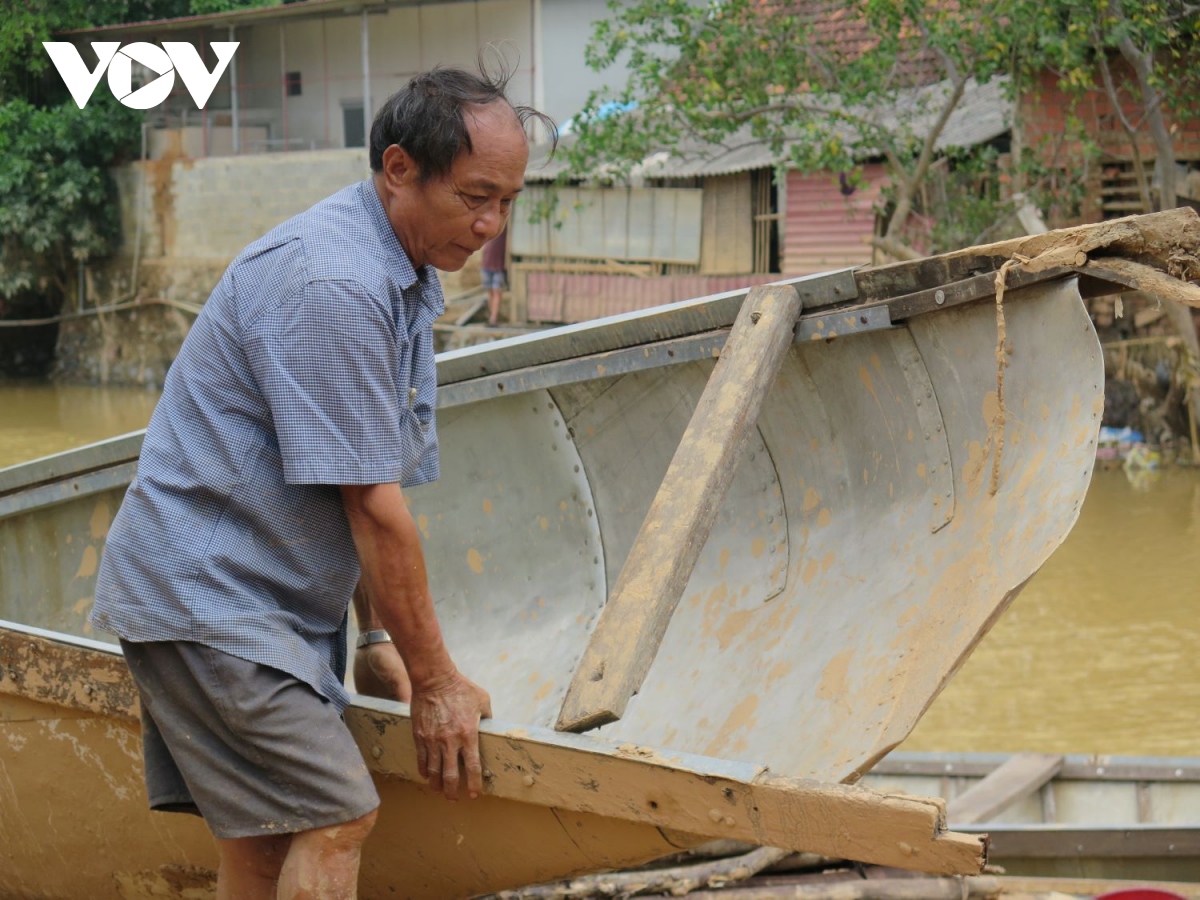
column 825, row 229
column 280, row 12
column 983, row 113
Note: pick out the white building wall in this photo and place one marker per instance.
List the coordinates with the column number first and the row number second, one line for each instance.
column 567, row 26
column 403, row 40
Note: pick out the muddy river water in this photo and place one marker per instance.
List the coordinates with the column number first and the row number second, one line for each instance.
column 1099, row 654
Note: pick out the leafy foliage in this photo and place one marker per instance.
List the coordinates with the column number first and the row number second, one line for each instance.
column 1142, row 56
column 58, row 203
column 829, row 84
column 57, row 199
column 824, row 84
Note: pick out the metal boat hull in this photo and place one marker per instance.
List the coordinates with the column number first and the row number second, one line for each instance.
column 862, row 551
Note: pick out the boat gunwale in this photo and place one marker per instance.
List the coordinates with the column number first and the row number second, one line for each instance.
column 1076, row 766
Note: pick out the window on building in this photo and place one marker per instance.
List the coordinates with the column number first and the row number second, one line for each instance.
column 292, row 80
column 353, row 127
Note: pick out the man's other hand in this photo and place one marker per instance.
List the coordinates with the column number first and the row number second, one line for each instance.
column 445, row 720
column 379, row 672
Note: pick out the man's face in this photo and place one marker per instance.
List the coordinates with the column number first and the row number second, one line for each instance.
column 445, row 220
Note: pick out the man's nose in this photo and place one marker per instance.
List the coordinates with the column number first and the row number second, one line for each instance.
column 489, row 222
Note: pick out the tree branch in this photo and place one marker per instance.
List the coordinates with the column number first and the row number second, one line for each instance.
column 1142, row 62
column 1138, row 165
column 896, row 248
column 908, row 186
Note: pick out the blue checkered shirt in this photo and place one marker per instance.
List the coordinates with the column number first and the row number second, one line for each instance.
column 310, row 366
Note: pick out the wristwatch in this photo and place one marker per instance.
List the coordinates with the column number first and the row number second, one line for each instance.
column 372, row 636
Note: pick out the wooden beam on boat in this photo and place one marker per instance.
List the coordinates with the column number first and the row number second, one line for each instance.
column 1019, row 776
column 83, row 675
column 1139, row 277
column 1154, row 238
column 1130, row 253
column 682, row 793
column 689, row 794
column 633, row 622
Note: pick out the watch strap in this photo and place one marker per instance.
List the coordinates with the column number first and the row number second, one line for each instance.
column 372, row 636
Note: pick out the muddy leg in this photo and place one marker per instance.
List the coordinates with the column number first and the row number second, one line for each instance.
column 322, row 864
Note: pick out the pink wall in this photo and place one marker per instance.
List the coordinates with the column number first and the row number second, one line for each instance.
column 824, row 229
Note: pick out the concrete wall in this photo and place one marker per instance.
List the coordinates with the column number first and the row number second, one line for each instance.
column 327, row 53
column 196, row 216
column 402, row 41
column 206, row 209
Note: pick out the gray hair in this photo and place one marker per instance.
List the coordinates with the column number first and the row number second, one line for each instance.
column 426, row 119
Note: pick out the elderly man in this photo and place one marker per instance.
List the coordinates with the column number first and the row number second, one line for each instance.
column 269, row 487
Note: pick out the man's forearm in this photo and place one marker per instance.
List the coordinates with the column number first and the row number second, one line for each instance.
column 393, row 592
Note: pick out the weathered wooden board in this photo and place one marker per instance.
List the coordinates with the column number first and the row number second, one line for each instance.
column 1018, row 776
column 659, row 566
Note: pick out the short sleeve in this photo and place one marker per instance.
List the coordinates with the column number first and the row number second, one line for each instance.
column 327, row 365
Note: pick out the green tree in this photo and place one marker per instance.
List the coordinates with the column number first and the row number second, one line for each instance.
column 825, row 84
column 1141, row 55
column 57, row 198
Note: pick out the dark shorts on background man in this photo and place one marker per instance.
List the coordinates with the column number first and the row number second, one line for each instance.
column 493, row 280
column 252, row 749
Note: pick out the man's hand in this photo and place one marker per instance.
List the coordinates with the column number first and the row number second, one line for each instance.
column 445, row 721
column 379, row 672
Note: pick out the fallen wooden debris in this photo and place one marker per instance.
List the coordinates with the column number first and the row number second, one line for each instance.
column 1140, row 277
column 674, row 881
column 979, row 888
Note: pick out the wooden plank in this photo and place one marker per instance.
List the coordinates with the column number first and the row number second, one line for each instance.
column 633, row 622
column 471, row 310
column 1152, row 236
column 688, row 794
column 727, row 235
column 1019, row 776
column 856, row 888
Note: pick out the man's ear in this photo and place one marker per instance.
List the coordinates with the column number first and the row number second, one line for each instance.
column 398, row 167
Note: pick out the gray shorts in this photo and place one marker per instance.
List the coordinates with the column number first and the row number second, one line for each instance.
column 250, row 748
